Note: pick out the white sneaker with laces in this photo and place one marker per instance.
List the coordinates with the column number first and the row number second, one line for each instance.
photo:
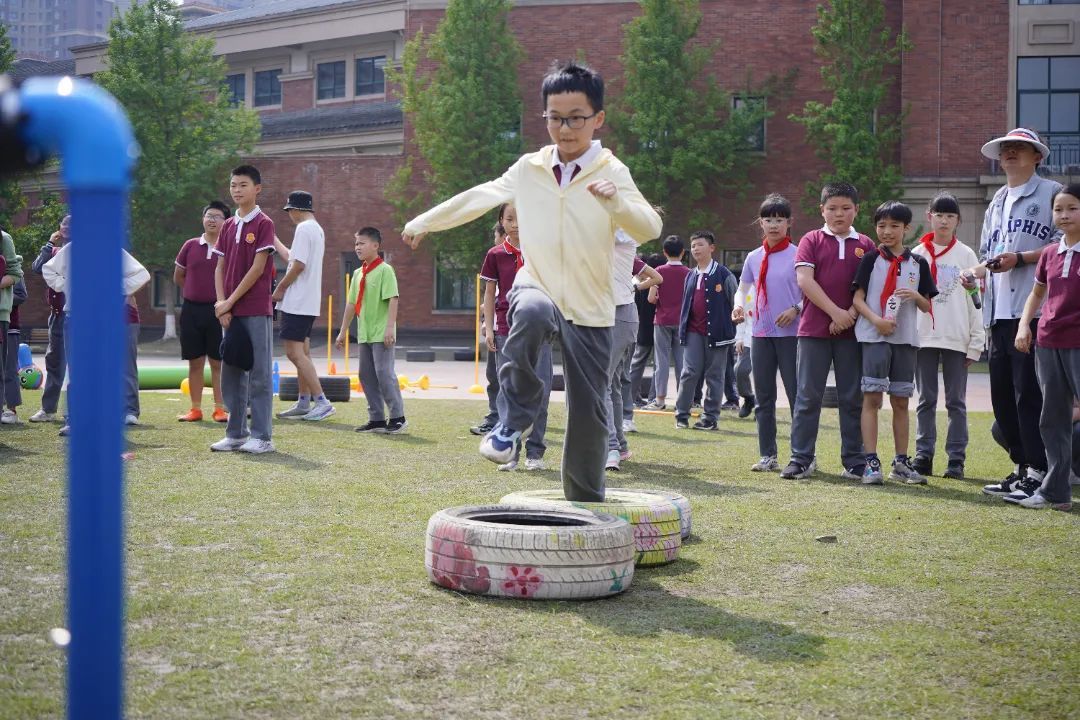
column 42, row 416
column 319, row 411
column 227, row 444
column 296, row 412
column 766, row 464
column 612, row 460
column 131, row 420
column 8, row 417
column 534, row 463
column 628, row 426
column 507, row 467
column 1038, row 502
column 257, row 447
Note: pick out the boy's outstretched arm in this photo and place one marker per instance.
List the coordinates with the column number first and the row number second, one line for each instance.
column 462, row 208
column 627, row 206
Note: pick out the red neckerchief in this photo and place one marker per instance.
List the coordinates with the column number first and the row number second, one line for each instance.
column 368, row 267
column 519, row 261
column 761, row 293
column 890, row 277
column 928, row 243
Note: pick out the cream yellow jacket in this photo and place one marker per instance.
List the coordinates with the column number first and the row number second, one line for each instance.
column 567, row 235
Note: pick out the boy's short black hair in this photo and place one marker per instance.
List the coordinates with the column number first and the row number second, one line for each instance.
column 839, row 189
column 217, row 205
column 775, row 205
column 673, row 246
column 704, row 235
column 893, row 210
column 249, row 171
column 944, row 202
column 655, row 260
column 370, row 232
column 1070, row 189
column 573, row 77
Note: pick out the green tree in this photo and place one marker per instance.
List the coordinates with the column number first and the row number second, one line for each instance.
column 852, row 133
column 173, row 89
column 43, row 222
column 676, row 129
column 459, row 91
column 11, row 197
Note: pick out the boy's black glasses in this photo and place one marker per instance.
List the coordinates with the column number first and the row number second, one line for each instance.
column 574, row 122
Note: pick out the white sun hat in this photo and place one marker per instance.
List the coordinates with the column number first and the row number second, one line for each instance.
column 993, row 148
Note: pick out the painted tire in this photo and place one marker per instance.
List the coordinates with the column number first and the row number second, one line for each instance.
column 681, row 503
column 335, row 387
column 529, row 552
column 656, row 523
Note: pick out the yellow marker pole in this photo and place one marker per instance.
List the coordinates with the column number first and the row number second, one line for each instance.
column 348, row 285
column 329, row 327
column 477, row 389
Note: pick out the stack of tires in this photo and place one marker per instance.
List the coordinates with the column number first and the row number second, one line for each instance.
column 538, row 545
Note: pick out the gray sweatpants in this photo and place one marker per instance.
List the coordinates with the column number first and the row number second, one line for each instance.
column 55, row 363
column 954, row 375
column 491, row 372
column 667, row 348
column 701, row 361
column 243, row 389
column 1058, row 370
column 743, row 368
column 534, row 319
column 12, row 388
column 131, row 374
column 642, row 355
column 814, row 357
column 535, row 447
column 770, row 355
column 622, row 353
column 379, row 381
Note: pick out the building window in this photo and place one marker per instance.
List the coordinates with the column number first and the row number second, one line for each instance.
column 162, row 281
column 735, row 258
column 1048, row 102
column 267, row 88
column 369, row 76
column 756, row 139
column 455, row 289
column 236, row 85
column 330, row 80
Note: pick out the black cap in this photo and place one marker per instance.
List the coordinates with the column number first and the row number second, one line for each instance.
column 299, row 200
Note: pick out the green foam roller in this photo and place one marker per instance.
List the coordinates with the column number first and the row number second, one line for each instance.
column 167, row 378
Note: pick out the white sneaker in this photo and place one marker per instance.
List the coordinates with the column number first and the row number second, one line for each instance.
column 131, row 420
column 534, row 463
column 507, row 467
column 766, row 464
column 296, row 412
column 227, row 444
column 319, row 411
column 257, row 447
column 628, row 426
column 1038, row 502
column 42, row 416
column 8, row 417
column 612, row 460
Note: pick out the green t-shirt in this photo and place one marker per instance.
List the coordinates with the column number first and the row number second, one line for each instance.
column 380, row 287
column 14, row 268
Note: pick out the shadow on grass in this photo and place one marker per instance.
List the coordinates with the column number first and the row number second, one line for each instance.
column 666, row 477
column 893, row 487
column 284, row 459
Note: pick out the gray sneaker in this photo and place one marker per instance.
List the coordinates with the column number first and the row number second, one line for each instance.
column 257, row 447
column 766, row 464
column 296, row 412
column 321, row 411
column 872, row 474
column 612, row 460
column 902, row 470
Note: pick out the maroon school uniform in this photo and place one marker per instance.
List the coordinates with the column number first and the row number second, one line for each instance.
column 500, row 267
column 198, row 260
column 835, row 265
column 1058, row 270
column 698, row 321
column 238, row 243
column 669, row 294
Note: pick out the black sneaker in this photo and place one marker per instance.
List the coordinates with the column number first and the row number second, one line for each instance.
column 482, row 429
column 796, row 471
column 705, row 424
column 1026, row 487
column 747, row 406
column 377, row 426
column 1006, row 486
column 681, row 424
column 955, row 470
column 730, row 405
column 396, row 425
column 923, row 465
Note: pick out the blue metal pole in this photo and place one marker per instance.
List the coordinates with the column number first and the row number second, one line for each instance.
column 88, row 129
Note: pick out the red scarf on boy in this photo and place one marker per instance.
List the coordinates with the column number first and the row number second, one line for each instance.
column 368, row 267
column 761, row 294
column 890, row 277
column 519, row 261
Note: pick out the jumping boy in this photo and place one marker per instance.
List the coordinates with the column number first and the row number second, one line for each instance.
column 200, row 331
column 706, row 332
column 242, row 286
column 571, row 196
column 825, row 265
column 668, row 297
column 373, row 300
column 299, row 298
column 889, row 285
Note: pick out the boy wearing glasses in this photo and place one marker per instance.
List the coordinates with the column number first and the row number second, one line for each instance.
column 200, row 331
column 571, row 196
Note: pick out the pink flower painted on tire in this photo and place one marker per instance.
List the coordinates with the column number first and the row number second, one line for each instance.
column 522, row 582
column 452, row 563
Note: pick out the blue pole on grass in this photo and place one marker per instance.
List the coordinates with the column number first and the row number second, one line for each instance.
column 86, row 127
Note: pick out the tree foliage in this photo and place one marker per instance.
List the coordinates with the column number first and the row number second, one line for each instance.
column 173, row 89
column 459, row 91
column 42, row 223
column 11, row 198
column 675, row 127
column 852, row 133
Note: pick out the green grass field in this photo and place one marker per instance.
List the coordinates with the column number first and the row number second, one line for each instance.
column 293, row 585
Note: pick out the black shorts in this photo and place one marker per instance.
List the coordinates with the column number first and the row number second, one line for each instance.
column 296, row 327
column 200, row 331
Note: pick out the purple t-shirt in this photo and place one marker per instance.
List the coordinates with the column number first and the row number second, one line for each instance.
column 822, row 252
column 499, row 266
column 782, row 291
column 239, row 253
column 670, row 293
column 199, row 262
column 1061, row 311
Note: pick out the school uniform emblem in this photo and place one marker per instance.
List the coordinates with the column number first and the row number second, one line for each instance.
column 719, row 288
column 859, row 252
column 249, row 238
column 1033, row 210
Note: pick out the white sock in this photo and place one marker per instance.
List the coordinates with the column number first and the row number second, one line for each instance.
column 303, row 401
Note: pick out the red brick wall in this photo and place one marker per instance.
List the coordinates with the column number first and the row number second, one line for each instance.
column 297, row 94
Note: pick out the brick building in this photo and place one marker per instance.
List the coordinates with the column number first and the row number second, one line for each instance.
column 314, row 70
